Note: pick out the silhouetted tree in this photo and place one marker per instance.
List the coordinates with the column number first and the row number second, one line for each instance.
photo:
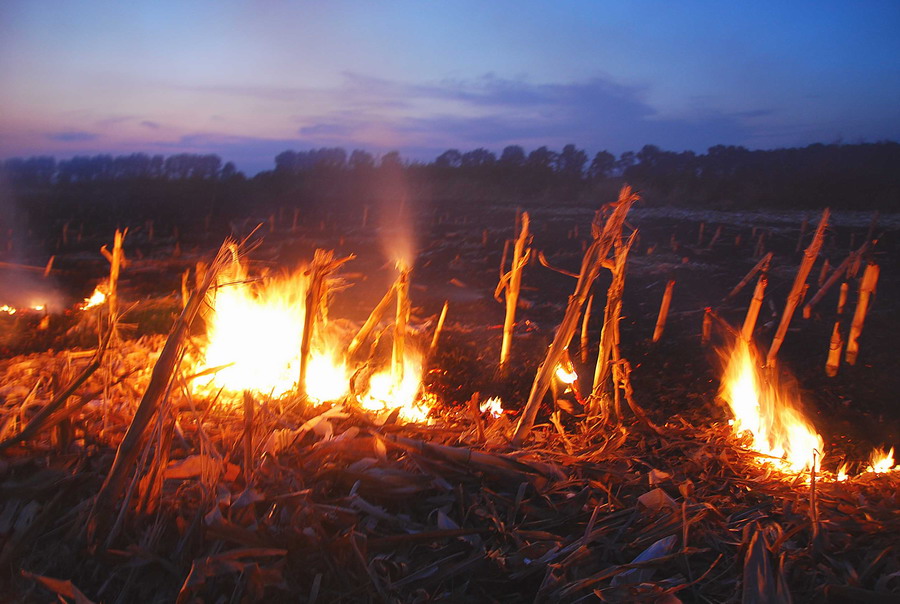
column 451, row 158
column 361, row 160
column 602, row 166
column 478, row 158
column 570, row 163
column 513, row 155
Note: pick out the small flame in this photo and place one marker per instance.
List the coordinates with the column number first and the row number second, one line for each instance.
column 765, row 410
column 493, row 406
column 842, row 472
column 8, row 309
column 39, row 307
column 881, row 462
column 385, row 395
column 95, row 299
column 566, row 375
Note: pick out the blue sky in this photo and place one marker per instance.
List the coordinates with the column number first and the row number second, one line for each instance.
column 248, row 80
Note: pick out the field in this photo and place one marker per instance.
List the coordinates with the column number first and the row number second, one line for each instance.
column 393, row 512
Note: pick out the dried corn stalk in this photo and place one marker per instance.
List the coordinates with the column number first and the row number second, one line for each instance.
column 401, row 318
column 663, row 311
column 98, row 525
column 323, row 264
column 866, row 289
column 753, row 310
column 511, row 283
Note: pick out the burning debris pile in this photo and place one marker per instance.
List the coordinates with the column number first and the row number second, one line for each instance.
column 266, row 451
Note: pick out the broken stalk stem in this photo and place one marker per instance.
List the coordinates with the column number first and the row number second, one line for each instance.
column 796, row 294
column 663, row 311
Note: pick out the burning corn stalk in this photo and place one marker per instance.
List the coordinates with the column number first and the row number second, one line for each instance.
column 268, row 336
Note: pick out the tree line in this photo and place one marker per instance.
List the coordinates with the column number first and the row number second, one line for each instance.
column 837, row 174
column 187, row 190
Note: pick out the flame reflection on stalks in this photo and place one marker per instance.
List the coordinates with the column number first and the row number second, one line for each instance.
column 765, row 410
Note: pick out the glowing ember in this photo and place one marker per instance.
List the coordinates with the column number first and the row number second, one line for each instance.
column 881, row 462
column 8, row 309
column 95, row 299
column 765, row 410
column 492, row 406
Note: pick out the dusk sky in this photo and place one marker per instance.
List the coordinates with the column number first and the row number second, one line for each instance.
column 247, row 80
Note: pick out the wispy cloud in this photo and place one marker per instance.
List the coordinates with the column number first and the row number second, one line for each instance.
column 72, row 136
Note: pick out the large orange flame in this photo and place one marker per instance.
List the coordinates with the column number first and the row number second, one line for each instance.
column 768, row 411
column 254, row 334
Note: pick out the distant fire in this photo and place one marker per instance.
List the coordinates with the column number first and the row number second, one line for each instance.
column 767, row 411
column 254, row 335
column 11, row 310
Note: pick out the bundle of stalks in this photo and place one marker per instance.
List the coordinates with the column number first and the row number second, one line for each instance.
column 604, row 238
column 796, row 293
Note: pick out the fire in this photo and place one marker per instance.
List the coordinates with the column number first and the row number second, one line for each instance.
column 11, row 310
column 493, row 406
column 842, row 472
column 765, row 410
column 254, row 335
column 881, row 462
column 95, row 299
column 566, row 375
column 386, row 395
column 255, row 332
